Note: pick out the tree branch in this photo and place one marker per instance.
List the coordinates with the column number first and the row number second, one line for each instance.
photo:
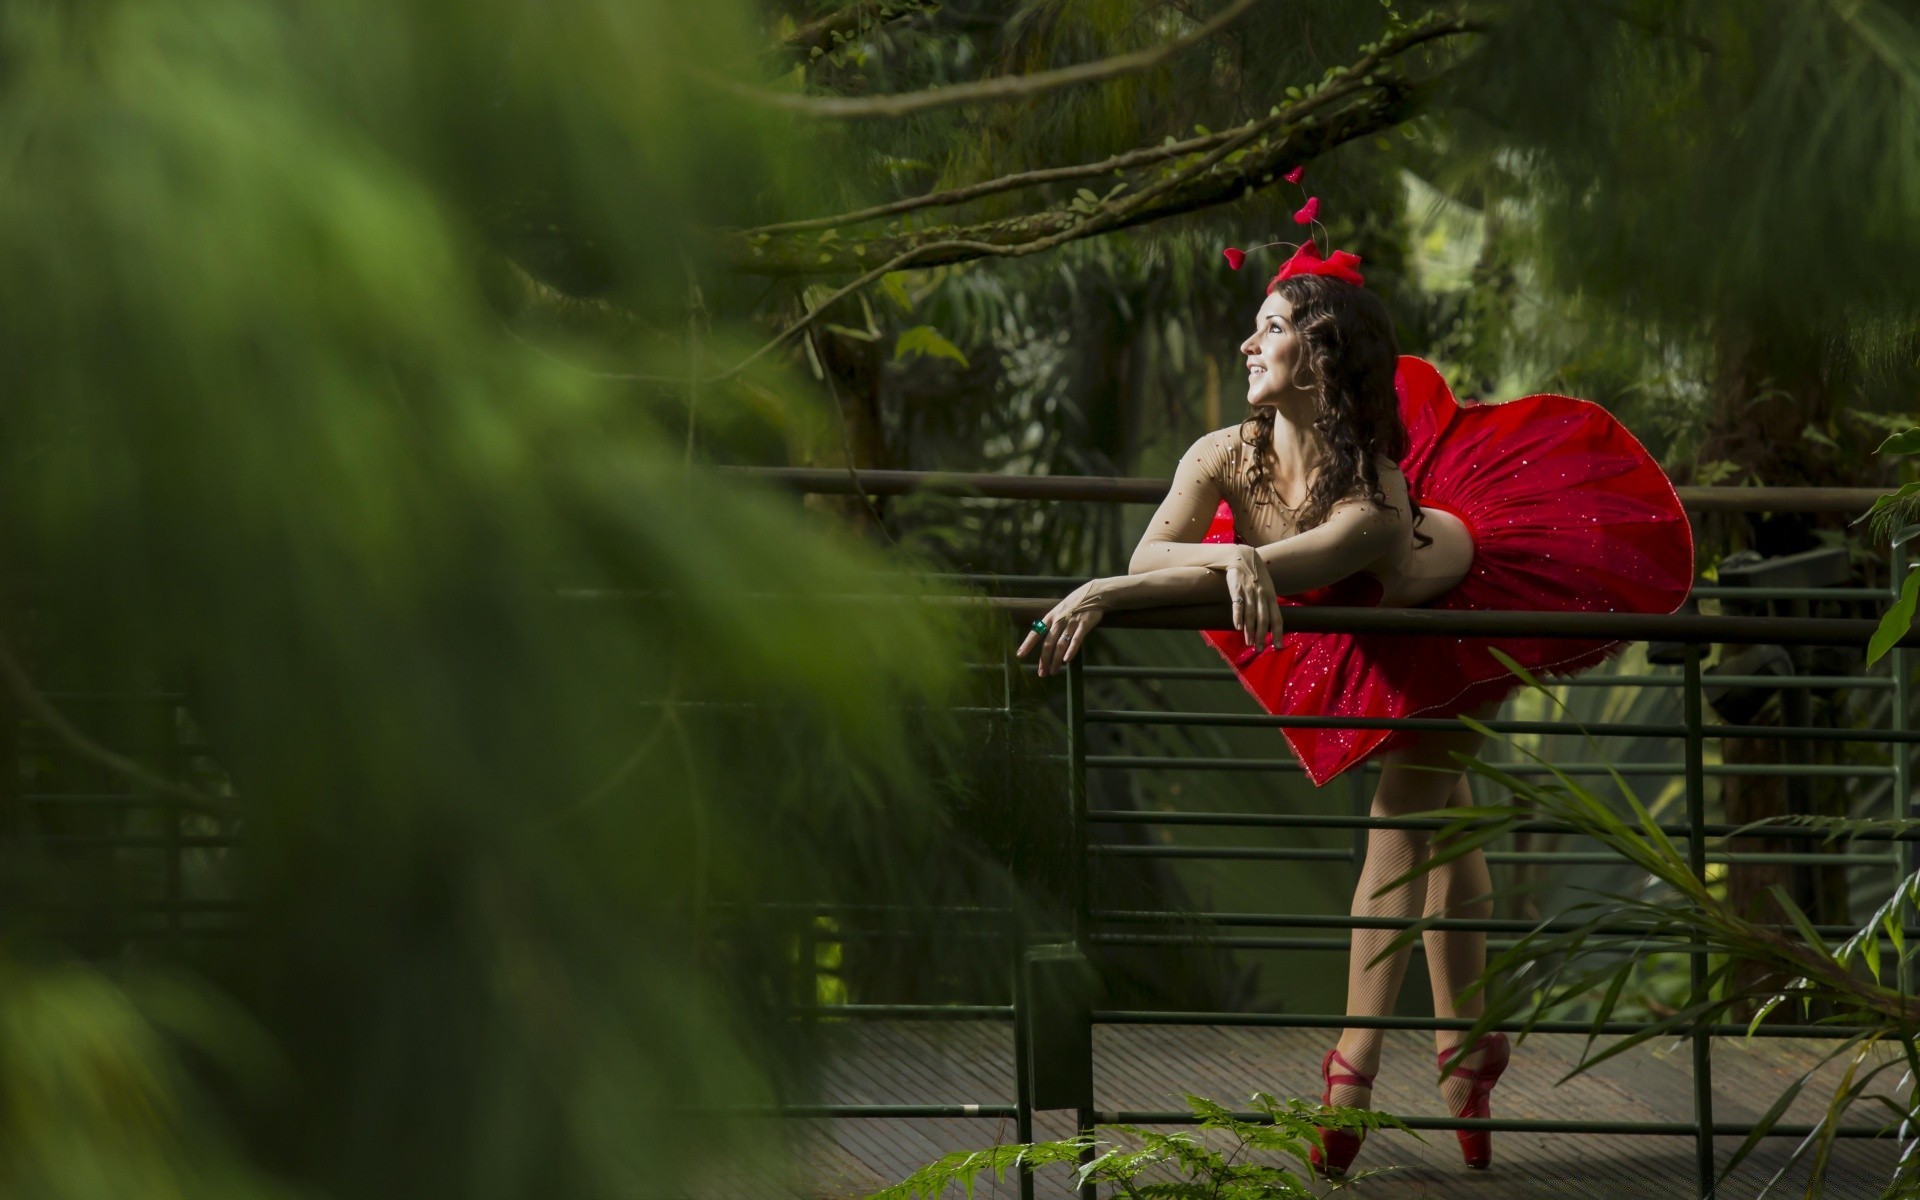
column 1143, row 156
column 1000, row 87
column 828, row 33
column 1386, row 101
column 1130, row 160
column 1210, row 181
column 39, row 708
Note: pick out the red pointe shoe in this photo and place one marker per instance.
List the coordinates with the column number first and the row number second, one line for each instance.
column 1341, row 1145
column 1476, row 1145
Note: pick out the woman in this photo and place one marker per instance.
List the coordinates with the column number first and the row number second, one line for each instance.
column 1355, row 479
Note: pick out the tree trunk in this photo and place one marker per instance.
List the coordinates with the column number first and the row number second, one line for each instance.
column 856, row 439
column 1769, row 388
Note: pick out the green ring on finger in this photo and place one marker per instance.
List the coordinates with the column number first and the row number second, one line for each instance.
column 1040, row 627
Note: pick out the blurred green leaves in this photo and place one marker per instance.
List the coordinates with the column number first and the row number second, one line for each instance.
column 466, row 628
column 97, row 1097
column 926, row 340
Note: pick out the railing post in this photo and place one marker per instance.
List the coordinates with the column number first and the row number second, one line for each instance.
column 1697, row 961
column 1901, row 665
column 1022, row 1056
column 174, row 763
column 1016, row 945
column 1077, row 801
column 1077, row 847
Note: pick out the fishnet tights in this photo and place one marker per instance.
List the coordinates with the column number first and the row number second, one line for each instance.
column 1456, row 889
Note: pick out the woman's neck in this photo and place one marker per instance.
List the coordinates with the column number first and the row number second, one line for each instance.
column 1297, row 448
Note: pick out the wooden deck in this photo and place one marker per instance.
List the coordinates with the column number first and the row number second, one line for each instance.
column 1147, row 1068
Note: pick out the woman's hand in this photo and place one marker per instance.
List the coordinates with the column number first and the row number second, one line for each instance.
column 1067, row 626
column 1256, row 607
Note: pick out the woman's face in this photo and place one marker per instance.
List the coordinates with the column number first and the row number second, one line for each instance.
column 1276, row 370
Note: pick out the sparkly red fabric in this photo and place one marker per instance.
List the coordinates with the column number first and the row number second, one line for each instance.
column 1568, row 513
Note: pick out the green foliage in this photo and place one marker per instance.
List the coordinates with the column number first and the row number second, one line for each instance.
column 1590, row 966
column 97, row 1098
column 965, row 1168
column 926, row 340
column 513, row 697
column 1897, row 621
column 1183, row 1165
column 1887, row 519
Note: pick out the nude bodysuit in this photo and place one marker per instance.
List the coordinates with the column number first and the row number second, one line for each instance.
column 1405, row 574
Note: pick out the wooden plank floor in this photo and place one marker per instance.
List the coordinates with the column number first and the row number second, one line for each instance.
column 1149, row 1067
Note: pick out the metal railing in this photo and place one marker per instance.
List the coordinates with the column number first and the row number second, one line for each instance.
column 1093, row 926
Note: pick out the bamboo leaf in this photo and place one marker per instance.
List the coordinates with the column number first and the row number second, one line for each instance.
column 925, row 340
column 1888, row 501
column 1766, row 1122
column 1897, row 620
column 1799, row 920
column 1905, row 442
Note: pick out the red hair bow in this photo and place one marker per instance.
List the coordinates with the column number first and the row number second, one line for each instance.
column 1307, row 261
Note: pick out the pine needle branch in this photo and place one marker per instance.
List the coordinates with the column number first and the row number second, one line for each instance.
column 1344, row 84
column 999, row 87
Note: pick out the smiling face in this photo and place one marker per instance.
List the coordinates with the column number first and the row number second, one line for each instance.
column 1275, row 354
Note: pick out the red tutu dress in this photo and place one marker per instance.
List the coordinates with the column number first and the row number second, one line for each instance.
column 1568, row 512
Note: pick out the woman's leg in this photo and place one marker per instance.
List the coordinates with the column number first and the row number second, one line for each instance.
column 1456, row 958
column 1407, row 786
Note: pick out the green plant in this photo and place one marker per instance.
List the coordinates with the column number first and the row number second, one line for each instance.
column 1890, row 514
column 1166, row 1166
column 1597, row 950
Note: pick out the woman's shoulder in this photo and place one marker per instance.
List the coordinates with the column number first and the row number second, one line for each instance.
column 1227, row 438
column 1217, row 450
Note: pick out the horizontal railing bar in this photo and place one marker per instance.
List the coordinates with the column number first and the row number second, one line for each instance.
column 1147, row 762
column 147, row 907
column 1113, row 489
column 114, row 800
column 1714, row 591
column 1700, row 591
column 1676, row 944
column 1329, row 945
column 873, row 933
column 1325, row 945
column 1487, row 623
column 1280, row 853
column 1226, row 675
column 1784, row 733
column 1463, row 924
column 116, row 697
column 1427, row 1024
column 828, row 908
column 1170, row 1117
column 810, row 1111
column 1517, row 1125
column 1118, row 816
column 1600, row 858
column 135, row 841
column 904, row 1012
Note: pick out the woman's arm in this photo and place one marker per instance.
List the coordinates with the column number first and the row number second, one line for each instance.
column 1172, row 538
column 1071, row 620
column 1355, row 534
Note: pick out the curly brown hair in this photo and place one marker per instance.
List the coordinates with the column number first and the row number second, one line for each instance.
column 1352, row 352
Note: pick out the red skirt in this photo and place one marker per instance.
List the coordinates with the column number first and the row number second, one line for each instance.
column 1568, row 512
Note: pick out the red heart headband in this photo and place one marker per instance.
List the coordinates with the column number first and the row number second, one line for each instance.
column 1306, row 258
